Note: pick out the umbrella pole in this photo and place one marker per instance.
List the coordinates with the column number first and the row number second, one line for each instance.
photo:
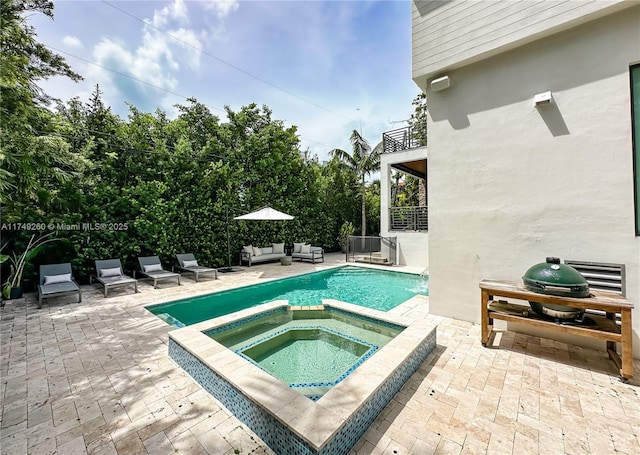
column 228, row 268
column 228, row 241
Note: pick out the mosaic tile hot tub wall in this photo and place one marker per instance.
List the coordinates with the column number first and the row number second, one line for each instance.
column 277, row 435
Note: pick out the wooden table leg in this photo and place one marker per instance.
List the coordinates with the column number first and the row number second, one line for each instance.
column 484, row 308
column 611, row 345
column 627, row 344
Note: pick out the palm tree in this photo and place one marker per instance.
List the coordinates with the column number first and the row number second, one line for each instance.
column 363, row 161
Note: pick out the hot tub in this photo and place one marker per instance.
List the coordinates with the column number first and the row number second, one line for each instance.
column 310, row 350
column 307, row 380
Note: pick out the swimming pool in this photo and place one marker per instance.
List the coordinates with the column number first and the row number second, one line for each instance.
column 377, row 289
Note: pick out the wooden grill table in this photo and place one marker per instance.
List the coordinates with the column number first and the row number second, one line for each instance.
column 603, row 328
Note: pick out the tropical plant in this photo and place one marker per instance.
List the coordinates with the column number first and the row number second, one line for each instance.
column 347, row 229
column 362, row 161
column 405, row 190
column 418, row 119
column 18, row 261
column 373, row 207
column 32, row 161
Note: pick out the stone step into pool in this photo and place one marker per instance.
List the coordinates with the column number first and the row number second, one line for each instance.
column 307, row 380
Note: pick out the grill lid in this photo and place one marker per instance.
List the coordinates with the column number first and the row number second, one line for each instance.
column 553, row 278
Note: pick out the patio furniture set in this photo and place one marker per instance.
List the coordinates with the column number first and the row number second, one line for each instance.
column 57, row 279
column 276, row 252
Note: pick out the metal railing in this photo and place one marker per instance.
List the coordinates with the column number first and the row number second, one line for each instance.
column 401, row 139
column 372, row 249
column 408, row 219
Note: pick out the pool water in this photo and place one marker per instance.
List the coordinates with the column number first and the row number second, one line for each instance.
column 378, row 289
column 310, row 350
column 294, row 355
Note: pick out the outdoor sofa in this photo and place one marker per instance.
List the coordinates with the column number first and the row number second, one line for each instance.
column 109, row 274
column 151, row 267
column 255, row 255
column 57, row 280
column 306, row 252
column 188, row 263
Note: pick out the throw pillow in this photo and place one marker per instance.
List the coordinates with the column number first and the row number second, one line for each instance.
column 278, row 248
column 189, row 263
column 53, row 279
column 248, row 249
column 296, row 247
column 305, row 249
column 104, row 273
column 257, row 251
column 152, row 268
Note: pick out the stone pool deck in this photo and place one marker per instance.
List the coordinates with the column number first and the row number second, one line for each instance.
column 96, row 378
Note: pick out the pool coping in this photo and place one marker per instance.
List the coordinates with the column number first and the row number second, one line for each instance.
column 316, row 423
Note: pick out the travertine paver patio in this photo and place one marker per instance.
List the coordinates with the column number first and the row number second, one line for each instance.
column 95, row 378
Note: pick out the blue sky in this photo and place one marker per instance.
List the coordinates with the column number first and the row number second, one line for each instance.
column 327, row 67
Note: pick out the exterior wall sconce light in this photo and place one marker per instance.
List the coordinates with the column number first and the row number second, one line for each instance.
column 440, row 83
column 541, row 99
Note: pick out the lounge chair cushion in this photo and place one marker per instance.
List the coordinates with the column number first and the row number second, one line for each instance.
column 257, row 251
column 104, row 273
column 53, row 279
column 152, row 268
column 189, row 263
column 305, row 249
column 297, row 247
column 248, row 249
column 278, row 248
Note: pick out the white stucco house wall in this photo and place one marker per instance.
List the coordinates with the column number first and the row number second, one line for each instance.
column 510, row 183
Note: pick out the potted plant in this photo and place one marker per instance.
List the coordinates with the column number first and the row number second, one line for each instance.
column 346, row 230
column 12, row 287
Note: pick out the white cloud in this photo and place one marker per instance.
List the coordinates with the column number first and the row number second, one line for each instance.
column 190, row 43
column 222, row 7
column 167, row 47
column 122, row 84
column 72, row 42
column 175, row 12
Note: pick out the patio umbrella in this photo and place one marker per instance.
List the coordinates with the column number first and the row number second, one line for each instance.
column 265, row 213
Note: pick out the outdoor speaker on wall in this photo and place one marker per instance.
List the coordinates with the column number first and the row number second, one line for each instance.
column 440, row 83
column 540, row 99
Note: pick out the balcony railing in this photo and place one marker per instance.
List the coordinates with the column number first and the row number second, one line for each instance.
column 401, row 139
column 408, row 219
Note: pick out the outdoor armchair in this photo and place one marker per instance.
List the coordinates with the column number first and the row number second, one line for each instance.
column 151, row 267
column 307, row 252
column 109, row 274
column 188, row 263
column 57, row 280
